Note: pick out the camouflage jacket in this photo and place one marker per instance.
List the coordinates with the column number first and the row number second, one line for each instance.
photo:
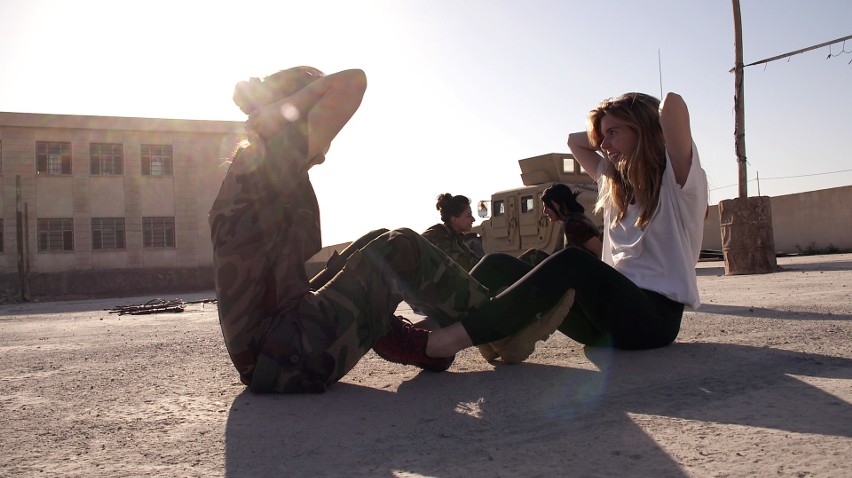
column 264, row 225
column 453, row 245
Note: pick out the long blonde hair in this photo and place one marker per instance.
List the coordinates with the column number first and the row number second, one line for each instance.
column 638, row 177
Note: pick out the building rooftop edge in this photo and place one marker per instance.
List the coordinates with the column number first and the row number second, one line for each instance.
column 42, row 120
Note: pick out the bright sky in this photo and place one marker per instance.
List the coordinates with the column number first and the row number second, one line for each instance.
column 459, row 90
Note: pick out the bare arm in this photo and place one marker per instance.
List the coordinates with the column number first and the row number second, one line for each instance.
column 579, row 145
column 594, row 246
column 329, row 103
column 674, row 119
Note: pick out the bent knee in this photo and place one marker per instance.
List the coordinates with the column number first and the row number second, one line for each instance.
column 405, row 231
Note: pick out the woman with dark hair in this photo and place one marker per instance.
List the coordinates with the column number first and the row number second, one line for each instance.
column 561, row 205
column 287, row 334
column 449, row 234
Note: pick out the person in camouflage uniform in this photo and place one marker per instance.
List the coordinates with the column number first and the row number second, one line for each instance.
column 456, row 221
column 287, row 334
column 448, row 235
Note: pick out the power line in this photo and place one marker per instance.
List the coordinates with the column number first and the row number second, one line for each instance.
column 787, row 55
column 785, row 177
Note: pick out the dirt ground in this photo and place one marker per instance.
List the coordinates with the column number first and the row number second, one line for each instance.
column 759, row 383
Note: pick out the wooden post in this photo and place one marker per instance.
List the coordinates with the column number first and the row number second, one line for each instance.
column 748, row 244
column 25, row 291
column 739, row 102
column 20, row 224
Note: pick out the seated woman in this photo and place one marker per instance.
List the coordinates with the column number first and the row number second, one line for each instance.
column 561, row 205
column 653, row 195
column 449, row 234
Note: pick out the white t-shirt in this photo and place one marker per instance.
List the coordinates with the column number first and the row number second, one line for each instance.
column 662, row 257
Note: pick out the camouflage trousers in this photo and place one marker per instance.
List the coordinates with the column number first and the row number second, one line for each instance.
column 313, row 346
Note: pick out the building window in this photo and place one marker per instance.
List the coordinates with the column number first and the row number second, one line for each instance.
column 107, row 233
column 106, row 159
column 53, row 157
column 1, row 235
column 158, row 232
column 156, row 159
column 55, row 235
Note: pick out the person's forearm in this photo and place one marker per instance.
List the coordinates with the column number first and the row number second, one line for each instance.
column 674, row 121
column 583, row 152
column 674, row 118
column 334, row 108
column 327, row 104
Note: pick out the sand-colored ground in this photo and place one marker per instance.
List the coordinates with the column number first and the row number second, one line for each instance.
column 759, row 383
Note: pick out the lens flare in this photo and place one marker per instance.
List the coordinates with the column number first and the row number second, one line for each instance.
column 290, row 112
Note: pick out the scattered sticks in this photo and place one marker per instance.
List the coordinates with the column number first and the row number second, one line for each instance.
column 155, row 306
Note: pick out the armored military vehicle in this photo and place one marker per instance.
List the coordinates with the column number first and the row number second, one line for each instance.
column 517, row 221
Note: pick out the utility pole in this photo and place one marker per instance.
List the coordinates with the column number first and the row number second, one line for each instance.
column 746, row 222
column 739, row 102
column 748, row 245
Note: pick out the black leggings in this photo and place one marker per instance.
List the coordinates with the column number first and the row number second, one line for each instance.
column 609, row 309
column 505, row 315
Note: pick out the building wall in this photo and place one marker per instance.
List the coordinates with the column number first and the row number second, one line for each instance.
column 802, row 222
column 199, row 150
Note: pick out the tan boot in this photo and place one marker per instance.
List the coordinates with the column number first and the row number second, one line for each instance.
column 516, row 348
column 488, row 352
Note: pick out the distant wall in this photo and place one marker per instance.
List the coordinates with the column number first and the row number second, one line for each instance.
column 815, row 220
column 91, row 283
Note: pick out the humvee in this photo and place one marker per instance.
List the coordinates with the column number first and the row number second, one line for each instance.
column 518, row 222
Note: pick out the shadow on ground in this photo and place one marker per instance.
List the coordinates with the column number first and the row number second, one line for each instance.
column 768, row 313
column 534, row 419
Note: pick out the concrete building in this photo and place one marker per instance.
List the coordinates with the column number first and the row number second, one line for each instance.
column 108, row 205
